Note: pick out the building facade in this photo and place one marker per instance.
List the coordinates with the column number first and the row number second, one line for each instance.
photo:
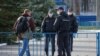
column 81, row 7
column 60, row 3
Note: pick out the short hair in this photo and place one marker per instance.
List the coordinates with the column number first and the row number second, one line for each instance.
column 60, row 8
column 50, row 11
column 26, row 10
column 70, row 9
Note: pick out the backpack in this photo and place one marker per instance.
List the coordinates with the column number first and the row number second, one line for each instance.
column 22, row 25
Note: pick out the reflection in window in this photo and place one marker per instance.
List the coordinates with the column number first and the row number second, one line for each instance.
column 88, row 5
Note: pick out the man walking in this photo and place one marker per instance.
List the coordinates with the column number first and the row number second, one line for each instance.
column 24, row 26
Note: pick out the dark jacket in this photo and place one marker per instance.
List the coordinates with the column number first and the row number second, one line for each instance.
column 47, row 24
column 73, row 23
column 62, row 23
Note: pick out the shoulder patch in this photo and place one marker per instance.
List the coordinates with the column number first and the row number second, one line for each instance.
column 65, row 20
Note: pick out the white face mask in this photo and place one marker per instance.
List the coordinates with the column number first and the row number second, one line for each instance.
column 58, row 12
column 69, row 13
column 50, row 14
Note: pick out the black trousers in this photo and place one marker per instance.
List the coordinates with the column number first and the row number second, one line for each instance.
column 71, row 42
column 50, row 38
column 63, row 44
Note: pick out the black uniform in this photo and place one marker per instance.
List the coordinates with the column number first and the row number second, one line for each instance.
column 73, row 29
column 62, row 26
column 47, row 27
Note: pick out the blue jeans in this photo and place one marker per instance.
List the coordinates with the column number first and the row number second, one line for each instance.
column 25, row 47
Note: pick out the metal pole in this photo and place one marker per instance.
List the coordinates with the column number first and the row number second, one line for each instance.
column 98, row 10
column 98, row 44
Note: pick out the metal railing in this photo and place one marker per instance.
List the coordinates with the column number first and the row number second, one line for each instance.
column 86, row 44
column 89, row 25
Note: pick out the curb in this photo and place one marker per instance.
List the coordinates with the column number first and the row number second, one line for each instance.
column 3, row 44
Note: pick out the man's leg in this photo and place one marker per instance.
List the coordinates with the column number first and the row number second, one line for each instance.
column 67, row 44
column 46, row 44
column 53, row 43
column 60, row 44
column 71, row 40
column 28, row 51
column 64, row 52
column 25, row 44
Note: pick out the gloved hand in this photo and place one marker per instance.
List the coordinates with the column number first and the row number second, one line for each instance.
column 74, row 35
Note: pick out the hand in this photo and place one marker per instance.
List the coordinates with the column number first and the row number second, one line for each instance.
column 74, row 34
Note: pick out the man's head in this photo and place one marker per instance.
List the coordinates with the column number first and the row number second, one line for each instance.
column 70, row 11
column 27, row 11
column 50, row 13
column 59, row 10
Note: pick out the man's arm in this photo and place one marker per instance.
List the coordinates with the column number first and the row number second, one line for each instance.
column 75, row 24
column 57, row 24
column 43, row 25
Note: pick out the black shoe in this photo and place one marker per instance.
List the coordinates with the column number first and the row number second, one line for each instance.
column 64, row 55
column 71, row 50
column 53, row 54
column 46, row 53
column 68, row 54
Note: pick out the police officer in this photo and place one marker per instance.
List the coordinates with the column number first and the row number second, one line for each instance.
column 62, row 26
column 47, row 27
column 74, row 26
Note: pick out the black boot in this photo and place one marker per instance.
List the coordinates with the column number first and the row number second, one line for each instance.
column 46, row 53
column 64, row 54
column 53, row 53
column 68, row 54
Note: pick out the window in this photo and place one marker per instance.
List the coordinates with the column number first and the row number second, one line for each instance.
column 88, row 6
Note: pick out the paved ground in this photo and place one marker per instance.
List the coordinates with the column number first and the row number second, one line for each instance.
column 84, row 45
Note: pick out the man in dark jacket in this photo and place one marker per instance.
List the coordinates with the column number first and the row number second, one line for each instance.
column 62, row 26
column 48, row 29
column 74, row 26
